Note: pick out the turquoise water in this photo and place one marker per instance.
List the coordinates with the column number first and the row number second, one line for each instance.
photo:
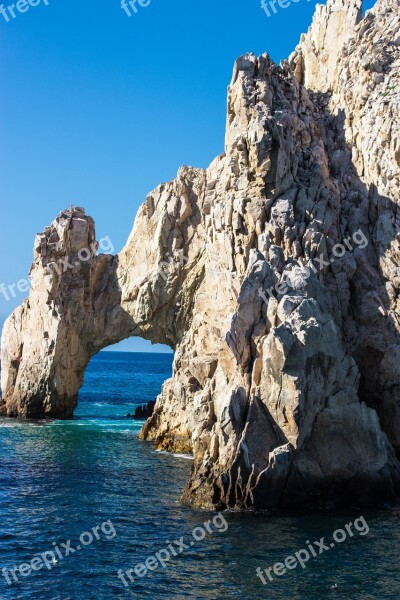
column 61, row 479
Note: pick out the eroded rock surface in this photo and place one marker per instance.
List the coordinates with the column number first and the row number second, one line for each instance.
column 274, row 275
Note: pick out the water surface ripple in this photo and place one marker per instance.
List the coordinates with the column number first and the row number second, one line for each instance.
column 59, row 479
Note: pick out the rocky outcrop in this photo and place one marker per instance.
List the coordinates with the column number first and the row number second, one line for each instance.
column 315, row 60
column 274, row 276
column 145, row 411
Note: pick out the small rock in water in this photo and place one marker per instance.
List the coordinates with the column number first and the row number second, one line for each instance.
column 145, row 411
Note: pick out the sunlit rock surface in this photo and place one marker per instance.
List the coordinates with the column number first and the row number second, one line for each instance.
column 286, row 379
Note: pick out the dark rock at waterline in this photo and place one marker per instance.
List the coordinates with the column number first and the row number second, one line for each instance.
column 145, row 411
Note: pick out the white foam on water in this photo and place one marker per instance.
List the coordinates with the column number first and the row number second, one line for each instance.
column 118, row 431
column 185, row 456
column 176, row 454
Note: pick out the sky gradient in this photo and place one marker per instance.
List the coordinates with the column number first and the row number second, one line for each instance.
column 98, row 108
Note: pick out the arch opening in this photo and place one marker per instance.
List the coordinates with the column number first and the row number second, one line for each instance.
column 122, row 382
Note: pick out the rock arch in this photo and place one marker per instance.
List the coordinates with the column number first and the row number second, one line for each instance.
column 266, row 379
column 81, row 302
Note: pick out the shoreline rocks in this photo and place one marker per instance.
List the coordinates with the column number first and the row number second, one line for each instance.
column 144, row 411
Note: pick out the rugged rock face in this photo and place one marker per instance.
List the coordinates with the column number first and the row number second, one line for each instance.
column 274, row 275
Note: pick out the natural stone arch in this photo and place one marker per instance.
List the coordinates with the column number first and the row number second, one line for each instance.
column 265, row 390
column 80, row 303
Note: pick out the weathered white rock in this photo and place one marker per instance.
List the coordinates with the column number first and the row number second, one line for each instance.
column 286, row 380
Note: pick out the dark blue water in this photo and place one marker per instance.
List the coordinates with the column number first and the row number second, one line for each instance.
column 61, row 479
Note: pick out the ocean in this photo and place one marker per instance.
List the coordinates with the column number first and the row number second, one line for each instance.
column 90, row 483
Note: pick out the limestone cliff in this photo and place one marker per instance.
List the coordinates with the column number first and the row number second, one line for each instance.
column 274, row 275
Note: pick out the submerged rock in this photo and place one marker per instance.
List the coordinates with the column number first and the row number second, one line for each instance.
column 274, row 275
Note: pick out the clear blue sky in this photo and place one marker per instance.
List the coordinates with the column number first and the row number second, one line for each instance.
column 98, row 108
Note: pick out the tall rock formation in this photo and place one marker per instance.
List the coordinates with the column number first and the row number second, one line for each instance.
column 274, row 275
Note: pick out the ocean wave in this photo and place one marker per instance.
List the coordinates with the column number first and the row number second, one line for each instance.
column 175, row 454
column 118, row 431
column 185, row 456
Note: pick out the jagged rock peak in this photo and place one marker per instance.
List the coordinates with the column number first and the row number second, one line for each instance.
column 314, row 61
